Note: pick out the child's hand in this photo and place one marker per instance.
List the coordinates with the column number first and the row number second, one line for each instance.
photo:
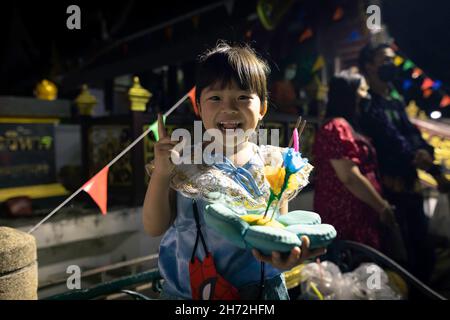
column 296, row 257
column 163, row 150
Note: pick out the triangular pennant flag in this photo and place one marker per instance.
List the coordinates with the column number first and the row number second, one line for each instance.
column 308, row 33
column 436, row 85
column 154, row 128
column 407, row 84
column 395, row 94
column 191, row 94
column 416, row 73
column 398, row 60
column 408, row 65
column 427, row 93
column 97, row 188
column 427, row 83
column 354, row 35
column 445, row 101
column 338, row 14
column 320, row 62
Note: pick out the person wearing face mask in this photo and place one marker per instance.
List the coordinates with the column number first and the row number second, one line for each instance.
column 348, row 191
column 401, row 151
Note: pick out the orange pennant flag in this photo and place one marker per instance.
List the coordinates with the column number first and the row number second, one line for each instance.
column 338, row 14
column 445, row 101
column 416, row 73
column 192, row 98
column 427, row 93
column 97, row 188
column 308, row 33
column 427, row 83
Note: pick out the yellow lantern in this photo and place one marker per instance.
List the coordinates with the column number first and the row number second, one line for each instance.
column 85, row 101
column 139, row 96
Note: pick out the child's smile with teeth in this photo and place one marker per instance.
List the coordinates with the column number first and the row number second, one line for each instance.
column 228, row 125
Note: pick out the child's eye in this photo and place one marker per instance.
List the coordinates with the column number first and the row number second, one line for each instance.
column 214, row 98
column 244, row 97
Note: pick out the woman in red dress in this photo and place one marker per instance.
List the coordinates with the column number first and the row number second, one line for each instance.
column 347, row 189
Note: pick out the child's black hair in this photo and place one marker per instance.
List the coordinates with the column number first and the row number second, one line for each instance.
column 226, row 63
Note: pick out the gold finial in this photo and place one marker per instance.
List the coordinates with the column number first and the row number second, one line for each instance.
column 85, row 101
column 46, row 90
column 139, row 96
column 422, row 115
column 412, row 110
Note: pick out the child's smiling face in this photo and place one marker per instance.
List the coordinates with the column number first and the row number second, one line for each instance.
column 229, row 108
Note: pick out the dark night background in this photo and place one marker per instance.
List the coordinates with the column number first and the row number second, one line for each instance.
column 36, row 42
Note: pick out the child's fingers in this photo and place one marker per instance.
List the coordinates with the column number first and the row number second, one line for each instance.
column 161, row 128
column 260, row 257
column 296, row 252
column 307, row 253
column 276, row 257
column 293, row 258
column 166, row 141
column 305, row 242
column 166, row 147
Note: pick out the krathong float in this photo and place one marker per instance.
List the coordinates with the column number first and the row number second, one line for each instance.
column 264, row 228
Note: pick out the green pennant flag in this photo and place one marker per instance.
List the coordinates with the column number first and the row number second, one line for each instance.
column 154, row 128
column 408, row 65
column 395, row 95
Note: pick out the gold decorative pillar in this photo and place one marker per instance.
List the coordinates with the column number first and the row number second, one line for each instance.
column 139, row 96
column 85, row 101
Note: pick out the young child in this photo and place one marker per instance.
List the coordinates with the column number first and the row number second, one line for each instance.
column 231, row 94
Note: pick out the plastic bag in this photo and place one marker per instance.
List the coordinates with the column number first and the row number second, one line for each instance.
column 324, row 281
column 318, row 281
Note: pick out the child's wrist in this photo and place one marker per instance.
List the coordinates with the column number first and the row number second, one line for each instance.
column 161, row 174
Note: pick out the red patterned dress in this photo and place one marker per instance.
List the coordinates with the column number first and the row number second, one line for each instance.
column 353, row 219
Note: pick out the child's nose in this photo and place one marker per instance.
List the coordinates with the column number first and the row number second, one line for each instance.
column 230, row 106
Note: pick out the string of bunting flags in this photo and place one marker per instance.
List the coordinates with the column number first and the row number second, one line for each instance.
column 97, row 186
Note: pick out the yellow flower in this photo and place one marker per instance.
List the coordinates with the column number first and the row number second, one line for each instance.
column 275, row 177
column 251, row 218
column 259, row 220
column 293, row 183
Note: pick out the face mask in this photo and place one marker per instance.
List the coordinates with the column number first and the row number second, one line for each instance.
column 387, row 72
column 364, row 103
column 290, row 73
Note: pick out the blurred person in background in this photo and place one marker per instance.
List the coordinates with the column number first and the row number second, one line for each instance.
column 348, row 191
column 401, row 151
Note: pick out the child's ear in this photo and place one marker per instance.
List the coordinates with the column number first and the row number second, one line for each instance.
column 263, row 109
